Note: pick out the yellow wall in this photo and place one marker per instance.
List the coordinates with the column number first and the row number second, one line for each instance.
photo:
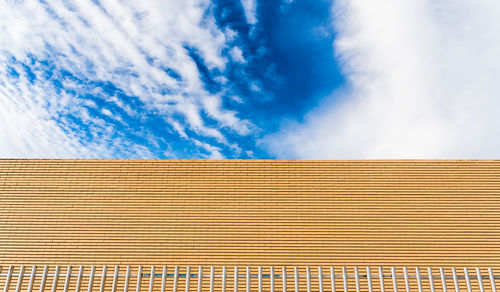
column 250, row 213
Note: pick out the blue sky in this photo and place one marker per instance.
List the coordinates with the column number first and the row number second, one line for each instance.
column 249, row 79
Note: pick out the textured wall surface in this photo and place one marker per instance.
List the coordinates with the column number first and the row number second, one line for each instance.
column 250, row 213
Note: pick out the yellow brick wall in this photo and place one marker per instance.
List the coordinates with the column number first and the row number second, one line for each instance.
column 250, row 213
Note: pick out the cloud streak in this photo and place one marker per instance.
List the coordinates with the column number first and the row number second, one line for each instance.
column 85, row 78
column 250, row 10
column 422, row 83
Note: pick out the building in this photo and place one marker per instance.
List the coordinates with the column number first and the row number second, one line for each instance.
column 253, row 215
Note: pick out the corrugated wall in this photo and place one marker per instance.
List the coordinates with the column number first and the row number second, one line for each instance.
column 250, row 213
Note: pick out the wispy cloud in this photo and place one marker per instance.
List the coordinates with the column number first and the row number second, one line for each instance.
column 104, row 78
column 237, row 55
column 250, row 9
column 422, row 83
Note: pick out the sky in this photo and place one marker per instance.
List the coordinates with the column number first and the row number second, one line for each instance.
column 250, row 79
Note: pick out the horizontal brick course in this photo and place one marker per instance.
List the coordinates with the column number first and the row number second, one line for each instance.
column 250, row 213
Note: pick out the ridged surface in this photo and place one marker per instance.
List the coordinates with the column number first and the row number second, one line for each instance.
column 250, row 213
column 177, row 279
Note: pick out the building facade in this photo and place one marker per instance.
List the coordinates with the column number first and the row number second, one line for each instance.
column 282, row 224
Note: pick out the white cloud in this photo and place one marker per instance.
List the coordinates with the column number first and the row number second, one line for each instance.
column 250, row 9
column 422, row 83
column 107, row 112
column 237, row 55
column 128, row 43
column 227, row 118
column 215, row 152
